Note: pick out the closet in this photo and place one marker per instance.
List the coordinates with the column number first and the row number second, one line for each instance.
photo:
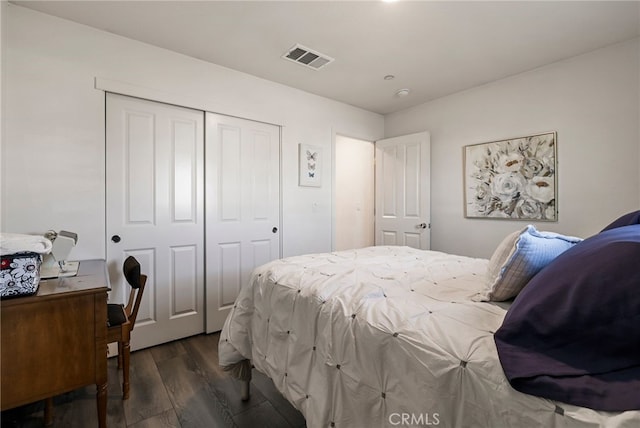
column 195, row 197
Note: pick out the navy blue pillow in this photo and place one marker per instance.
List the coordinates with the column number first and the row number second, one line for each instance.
column 625, row 220
column 573, row 333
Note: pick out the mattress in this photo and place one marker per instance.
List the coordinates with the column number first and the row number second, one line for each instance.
column 383, row 337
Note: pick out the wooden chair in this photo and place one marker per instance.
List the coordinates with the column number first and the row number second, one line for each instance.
column 122, row 318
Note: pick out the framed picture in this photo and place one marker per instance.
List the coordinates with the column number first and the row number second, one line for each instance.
column 512, row 179
column 310, row 165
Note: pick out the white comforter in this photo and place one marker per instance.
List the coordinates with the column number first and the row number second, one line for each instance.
column 384, row 337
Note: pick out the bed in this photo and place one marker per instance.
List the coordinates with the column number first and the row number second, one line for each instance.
column 394, row 336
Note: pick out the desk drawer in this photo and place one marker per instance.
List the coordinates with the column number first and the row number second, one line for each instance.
column 48, row 347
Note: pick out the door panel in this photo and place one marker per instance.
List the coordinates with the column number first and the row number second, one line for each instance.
column 138, row 149
column 184, row 265
column 185, row 173
column 403, row 191
column 155, row 204
column 389, row 237
column 388, row 181
column 413, row 240
column 242, row 206
column 229, row 268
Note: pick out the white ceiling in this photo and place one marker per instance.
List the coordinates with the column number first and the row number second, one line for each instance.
column 434, row 48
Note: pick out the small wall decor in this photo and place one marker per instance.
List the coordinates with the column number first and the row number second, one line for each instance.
column 310, row 166
column 512, row 179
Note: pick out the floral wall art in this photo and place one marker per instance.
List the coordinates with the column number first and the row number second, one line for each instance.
column 512, row 179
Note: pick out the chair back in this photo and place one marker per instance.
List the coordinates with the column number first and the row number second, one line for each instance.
column 131, row 270
column 137, row 281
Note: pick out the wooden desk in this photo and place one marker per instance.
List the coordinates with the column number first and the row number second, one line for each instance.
column 56, row 341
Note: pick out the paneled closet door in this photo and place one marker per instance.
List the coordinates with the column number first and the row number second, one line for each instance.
column 242, row 207
column 155, row 212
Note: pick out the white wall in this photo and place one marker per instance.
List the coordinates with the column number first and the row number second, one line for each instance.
column 591, row 100
column 354, row 193
column 53, row 154
column 3, row 38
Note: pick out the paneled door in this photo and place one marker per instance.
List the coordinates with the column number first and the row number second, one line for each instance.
column 403, row 191
column 242, row 207
column 155, row 212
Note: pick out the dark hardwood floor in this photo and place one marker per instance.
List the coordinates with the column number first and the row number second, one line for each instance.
column 178, row 384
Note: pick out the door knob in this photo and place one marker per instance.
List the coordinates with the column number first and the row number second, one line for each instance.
column 115, row 238
column 422, row 226
column 274, row 230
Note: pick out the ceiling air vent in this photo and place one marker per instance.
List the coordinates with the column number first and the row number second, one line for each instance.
column 307, row 57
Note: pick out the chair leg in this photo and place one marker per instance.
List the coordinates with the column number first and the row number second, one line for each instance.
column 48, row 411
column 126, row 352
column 245, row 390
column 119, row 355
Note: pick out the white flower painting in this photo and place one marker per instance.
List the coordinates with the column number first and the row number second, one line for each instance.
column 512, row 179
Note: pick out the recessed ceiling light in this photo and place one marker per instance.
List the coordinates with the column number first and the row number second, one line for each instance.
column 389, row 77
column 403, row 92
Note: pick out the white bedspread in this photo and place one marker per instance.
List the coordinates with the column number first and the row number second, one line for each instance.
column 384, row 337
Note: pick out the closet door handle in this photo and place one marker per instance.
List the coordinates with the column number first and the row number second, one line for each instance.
column 115, row 238
column 274, row 230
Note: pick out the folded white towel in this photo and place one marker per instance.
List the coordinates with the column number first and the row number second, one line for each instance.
column 11, row 243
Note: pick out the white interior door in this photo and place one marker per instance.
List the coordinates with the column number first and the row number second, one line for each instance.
column 242, row 207
column 403, row 191
column 155, row 212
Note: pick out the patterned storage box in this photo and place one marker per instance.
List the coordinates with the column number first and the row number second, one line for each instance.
column 20, row 274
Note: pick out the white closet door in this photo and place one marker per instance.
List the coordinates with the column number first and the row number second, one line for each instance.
column 242, row 207
column 155, row 212
column 403, row 191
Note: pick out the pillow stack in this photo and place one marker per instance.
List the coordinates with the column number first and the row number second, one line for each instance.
column 625, row 220
column 573, row 334
column 518, row 258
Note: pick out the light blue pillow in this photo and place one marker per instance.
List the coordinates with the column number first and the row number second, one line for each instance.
column 519, row 257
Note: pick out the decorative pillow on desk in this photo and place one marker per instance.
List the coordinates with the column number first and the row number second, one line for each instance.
column 519, row 257
column 21, row 259
column 20, row 274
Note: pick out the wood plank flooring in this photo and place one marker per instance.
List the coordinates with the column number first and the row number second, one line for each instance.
column 175, row 385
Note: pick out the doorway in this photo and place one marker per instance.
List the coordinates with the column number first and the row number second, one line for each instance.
column 382, row 192
column 354, row 193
